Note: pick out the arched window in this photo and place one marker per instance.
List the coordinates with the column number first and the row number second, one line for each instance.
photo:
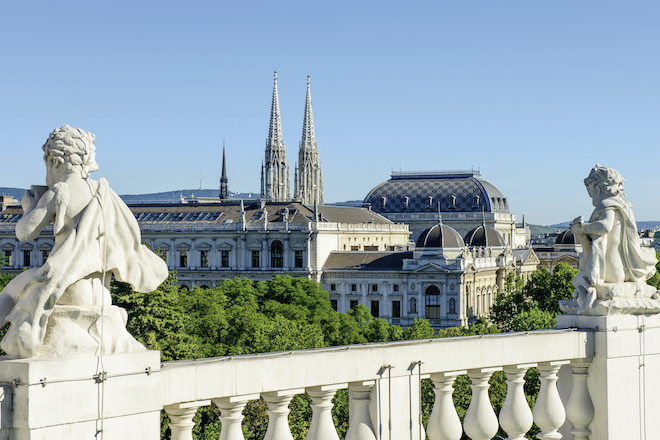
column 277, row 254
column 383, row 202
column 432, row 302
column 413, row 306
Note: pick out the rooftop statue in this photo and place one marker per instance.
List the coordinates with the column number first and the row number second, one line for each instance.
column 613, row 266
column 63, row 308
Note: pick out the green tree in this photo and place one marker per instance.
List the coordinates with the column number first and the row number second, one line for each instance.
column 655, row 279
column 157, row 319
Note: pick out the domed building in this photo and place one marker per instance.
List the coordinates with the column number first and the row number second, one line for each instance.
column 463, row 197
column 446, row 279
column 566, row 249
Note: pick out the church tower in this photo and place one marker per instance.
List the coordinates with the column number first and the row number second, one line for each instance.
column 308, row 174
column 275, row 170
column 224, row 188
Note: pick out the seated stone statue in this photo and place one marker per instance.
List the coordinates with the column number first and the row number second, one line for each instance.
column 63, row 308
column 613, row 266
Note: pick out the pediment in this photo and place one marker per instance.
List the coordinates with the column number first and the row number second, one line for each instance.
column 182, row 247
column 431, row 268
column 7, row 247
column 163, row 246
column 531, row 259
column 26, row 247
column 567, row 258
column 45, row 247
column 204, row 246
column 224, row 246
column 254, row 245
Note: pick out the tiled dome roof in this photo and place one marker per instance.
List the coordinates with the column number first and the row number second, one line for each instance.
column 440, row 236
column 418, row 192
column 484, row 236
column 565, row 237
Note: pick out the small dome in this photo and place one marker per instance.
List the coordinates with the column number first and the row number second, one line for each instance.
column 566, row 237
column 484, row 236
column 440, row 236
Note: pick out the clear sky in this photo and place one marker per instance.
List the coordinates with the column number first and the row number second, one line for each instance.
column 532, row 92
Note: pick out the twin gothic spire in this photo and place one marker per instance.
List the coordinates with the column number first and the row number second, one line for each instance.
column 308, row 175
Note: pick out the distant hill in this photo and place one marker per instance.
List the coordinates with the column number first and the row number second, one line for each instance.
column 536, row 230
column 175, row 196
column 162, row 197
column 16, row 193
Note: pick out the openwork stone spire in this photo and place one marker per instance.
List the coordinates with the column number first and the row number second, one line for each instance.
column 275, row 171
column 309, row 177
column 224, row 188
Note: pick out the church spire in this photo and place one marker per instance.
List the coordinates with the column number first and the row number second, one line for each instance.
column 275, row 172
column 224, row 188
column 308, row 173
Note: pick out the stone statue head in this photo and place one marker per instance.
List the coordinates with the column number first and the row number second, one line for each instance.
column 73, row 148
column 606, row 180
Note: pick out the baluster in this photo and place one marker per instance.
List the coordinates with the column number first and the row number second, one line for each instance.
column 322, row 426
column 360, row 427
column 480, row 420
column 580, row 408
column 278, row 410
column 444, row 423
column 549, row 414
column 515, row 415
column 181, row 416
column 231, row 415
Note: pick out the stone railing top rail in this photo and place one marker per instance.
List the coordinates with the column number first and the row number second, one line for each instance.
column 189, row 381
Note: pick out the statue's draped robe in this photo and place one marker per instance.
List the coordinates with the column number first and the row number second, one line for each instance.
column 106, row 232
column 638, row 262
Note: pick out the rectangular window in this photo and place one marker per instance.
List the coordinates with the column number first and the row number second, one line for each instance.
column 333, row 304
column 353, row 287
column 355, row 248
column 255, row 259
column 204, row 258
column 8, row 261
column 45, row 254
column 26, row 258
column 224, row 259
column 375, row 309
column 333, row 287
column 395, row 287
column 163, row 255
column 371, row 248
column 299, row 258
column 396, row 309
column 354, row 303
column 183, row 258
column 374, row 287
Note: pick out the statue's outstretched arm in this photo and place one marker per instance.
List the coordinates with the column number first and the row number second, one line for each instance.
column 601, row 226
column 35, row 218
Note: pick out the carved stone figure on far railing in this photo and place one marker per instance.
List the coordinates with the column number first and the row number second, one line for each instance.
column 63, row 308
column 614, row 267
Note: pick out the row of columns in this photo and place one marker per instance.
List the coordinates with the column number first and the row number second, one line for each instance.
column 481, row 422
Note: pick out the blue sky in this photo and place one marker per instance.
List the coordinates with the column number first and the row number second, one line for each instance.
column 533, row 93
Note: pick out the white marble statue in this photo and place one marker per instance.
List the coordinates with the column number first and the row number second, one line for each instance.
column 63, row 308
column 614, row 267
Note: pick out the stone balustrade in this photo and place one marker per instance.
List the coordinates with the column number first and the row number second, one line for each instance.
column 384, row 387
column 597, row 380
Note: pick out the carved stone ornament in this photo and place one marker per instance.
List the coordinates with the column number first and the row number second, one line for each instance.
column 613, row 266
column 64, row 308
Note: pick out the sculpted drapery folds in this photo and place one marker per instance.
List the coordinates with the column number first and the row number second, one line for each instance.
column 614, row 267
column 63, row 308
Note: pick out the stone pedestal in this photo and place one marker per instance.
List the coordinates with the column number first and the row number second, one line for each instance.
column 623, row 375
column 114, row 397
